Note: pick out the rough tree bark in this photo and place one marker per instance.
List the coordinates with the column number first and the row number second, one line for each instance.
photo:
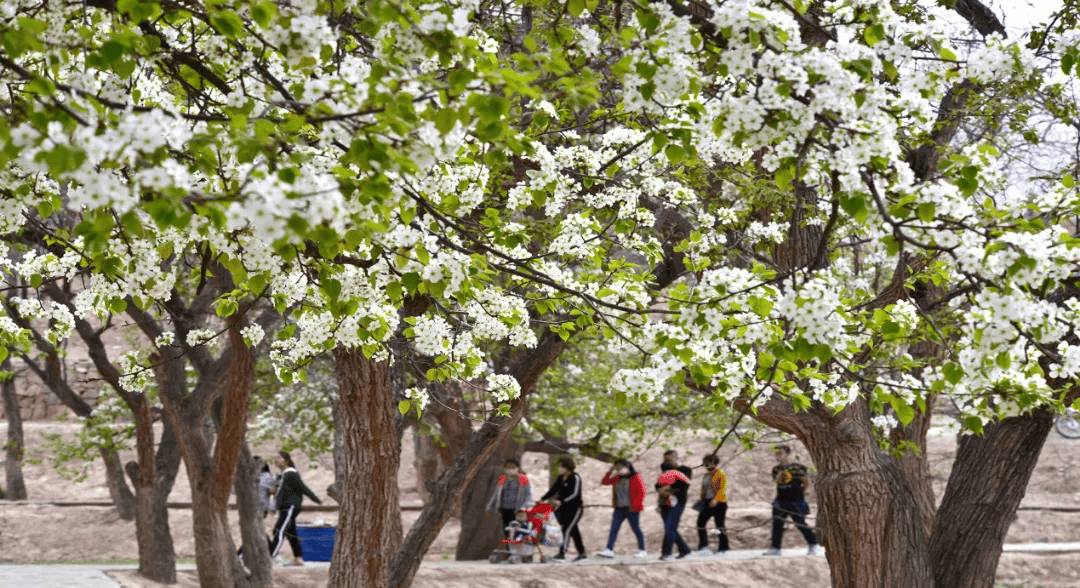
column 369, row 524
column 15, row 488
column 480, row 533
column 336, row 489
column 527, row 367
column 250, row 511
column 868, row 515
column 987, row 483
column 210, row 469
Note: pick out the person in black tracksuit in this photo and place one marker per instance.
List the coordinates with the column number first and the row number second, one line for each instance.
column 565, row 496
column 290, row 496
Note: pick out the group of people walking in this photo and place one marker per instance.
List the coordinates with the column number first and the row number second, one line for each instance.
column 673, row 487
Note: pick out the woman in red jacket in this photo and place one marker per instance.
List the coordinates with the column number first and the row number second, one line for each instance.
column 628, row 498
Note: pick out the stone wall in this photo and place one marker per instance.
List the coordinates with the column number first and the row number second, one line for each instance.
column 38, row 403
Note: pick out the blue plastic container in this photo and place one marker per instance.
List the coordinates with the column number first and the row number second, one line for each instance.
column 317, row 542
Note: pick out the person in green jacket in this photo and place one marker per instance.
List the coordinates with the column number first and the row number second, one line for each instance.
column 290, row 497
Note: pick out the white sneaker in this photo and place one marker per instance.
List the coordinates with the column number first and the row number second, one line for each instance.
column 813, row 550
column 704, row 551
column 772, row 551
column 606, row 553
column 641, row 554
column 667, row 557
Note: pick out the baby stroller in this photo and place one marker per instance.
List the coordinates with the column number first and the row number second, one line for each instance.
column 524, row 544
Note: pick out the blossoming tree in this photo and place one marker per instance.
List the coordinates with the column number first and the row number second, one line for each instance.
column 770, row 201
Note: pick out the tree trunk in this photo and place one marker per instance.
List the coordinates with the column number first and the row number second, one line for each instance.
column 480, row 532
column 526, row 369
column 15, row 487
column 118, row 489
column 868, row 516
column 336, row 489
column 914, row 466
column 153, row 478
column 427, row 463
column 252, row 528
column 987, row 483
column 211, row 467
column 369, row 524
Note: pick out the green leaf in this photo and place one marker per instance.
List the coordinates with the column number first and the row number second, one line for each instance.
column 403, row 407
column 227, row 23
column 112, row 51
column 874, row 34
column 576, row 7
column 118, row 305
column 263, row 13
column 765, row 359
column 974, row 424
column 675, row 153
column 953, row 373
column 905, row 413
column 445, row 119
column 1068, row 181
column 784, row 175
column 760, row 306
column 332, row 288
column 926, row 212
column 855, row 206
column 410, row 280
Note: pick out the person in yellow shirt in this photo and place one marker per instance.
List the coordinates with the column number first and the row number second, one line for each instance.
column 713, row 505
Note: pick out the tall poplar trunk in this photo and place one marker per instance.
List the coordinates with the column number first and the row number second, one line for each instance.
column 988, row 480
column 15, row 488
column 369, row 523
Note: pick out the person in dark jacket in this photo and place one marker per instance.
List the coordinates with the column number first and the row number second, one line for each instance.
column 791, row 483
column 673, row 486
column 565, row 496
column 290, row 496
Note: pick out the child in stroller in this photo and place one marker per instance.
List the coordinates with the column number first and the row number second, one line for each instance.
column 522, row 537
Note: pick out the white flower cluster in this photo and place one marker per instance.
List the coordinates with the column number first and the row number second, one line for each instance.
column 884, row 422
column 503, row 387
column 419, row 397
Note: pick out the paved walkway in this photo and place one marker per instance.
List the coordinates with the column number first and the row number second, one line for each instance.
column 94, row 576
column 66, row 575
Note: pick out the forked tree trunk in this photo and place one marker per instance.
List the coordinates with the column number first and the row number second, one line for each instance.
column 526, row 368
column 369, row 524
column 869, row 520
column 210, row 469
column 987, row 483
column 13, row 455
column 480, row 532
column 252, row 528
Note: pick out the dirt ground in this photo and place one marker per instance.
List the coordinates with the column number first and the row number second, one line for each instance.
column 36, row 533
